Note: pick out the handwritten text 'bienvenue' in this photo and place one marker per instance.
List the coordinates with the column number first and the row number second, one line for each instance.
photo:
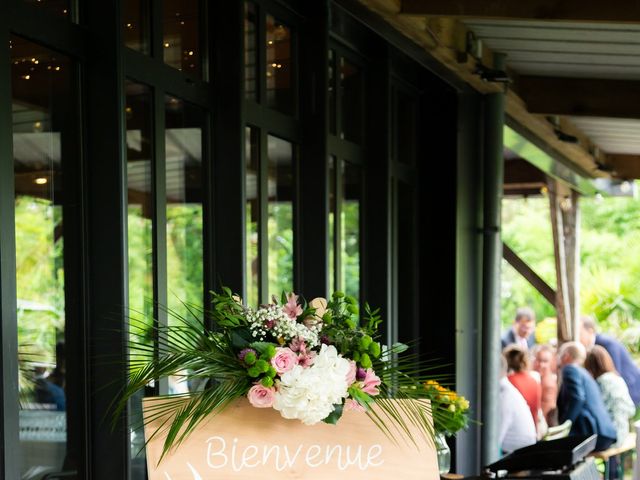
column 238, row 457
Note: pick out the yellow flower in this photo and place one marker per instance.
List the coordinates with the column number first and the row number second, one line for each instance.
column 452, row 408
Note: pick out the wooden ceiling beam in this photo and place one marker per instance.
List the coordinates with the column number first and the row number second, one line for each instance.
column 624, row 166
column 580, row 96
column 621, row 11
column 445, row 40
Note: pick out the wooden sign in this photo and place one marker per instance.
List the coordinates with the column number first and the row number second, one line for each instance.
column 248, row 443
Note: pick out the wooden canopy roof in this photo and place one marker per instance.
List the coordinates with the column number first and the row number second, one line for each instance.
column 574, row 69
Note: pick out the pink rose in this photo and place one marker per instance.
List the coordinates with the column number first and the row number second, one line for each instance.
column 284, row 360
column 370, row 383
column 260, row 396
column 351, row 376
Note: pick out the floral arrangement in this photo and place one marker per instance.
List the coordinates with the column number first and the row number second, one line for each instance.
column 309, row 361
column 453, row 409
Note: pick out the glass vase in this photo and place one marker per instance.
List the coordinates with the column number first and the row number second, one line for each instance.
column 443, row 452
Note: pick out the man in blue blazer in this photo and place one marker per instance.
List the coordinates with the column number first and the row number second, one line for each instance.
column 580, row 400
column 622, row 360
column 522, row 331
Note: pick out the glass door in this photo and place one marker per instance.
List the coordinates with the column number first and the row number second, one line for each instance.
column 43, row 111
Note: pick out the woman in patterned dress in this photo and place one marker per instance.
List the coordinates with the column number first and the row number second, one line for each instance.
column 614, row 390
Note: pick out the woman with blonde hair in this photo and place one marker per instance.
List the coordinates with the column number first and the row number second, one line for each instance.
column 544, row 364
column 614, row 390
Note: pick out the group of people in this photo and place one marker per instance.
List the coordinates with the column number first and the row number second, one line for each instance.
column 594, row 383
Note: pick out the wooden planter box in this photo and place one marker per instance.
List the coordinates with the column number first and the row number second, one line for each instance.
column 244, row 442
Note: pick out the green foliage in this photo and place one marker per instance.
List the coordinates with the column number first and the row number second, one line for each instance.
column 609, row 236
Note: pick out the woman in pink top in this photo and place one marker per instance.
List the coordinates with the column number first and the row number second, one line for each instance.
column 519, row 376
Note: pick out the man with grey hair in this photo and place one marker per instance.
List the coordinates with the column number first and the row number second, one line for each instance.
column 622, row 360
column 522, row 331
column 580, row 399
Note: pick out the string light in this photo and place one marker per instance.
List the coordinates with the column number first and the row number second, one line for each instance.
column 166, row 45
column 41, row 181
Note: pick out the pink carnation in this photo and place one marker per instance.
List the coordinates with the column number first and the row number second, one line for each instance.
column 260, row 396
column 284, row 360
column 351, row 376
column 292, row 309
column 298, row 345
column 371, row 382
column 351, row 404
column 306, row 359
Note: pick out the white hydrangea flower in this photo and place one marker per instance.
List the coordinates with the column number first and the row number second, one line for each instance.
column 309, row 394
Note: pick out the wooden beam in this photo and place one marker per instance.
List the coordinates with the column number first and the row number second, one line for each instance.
column 577, row 154
column 624, row 166
column 529, row 274
column 621, row 11
column 518, row 171
column 445, row 40
column 580, row 96
column 562, row 299
column 571, row 230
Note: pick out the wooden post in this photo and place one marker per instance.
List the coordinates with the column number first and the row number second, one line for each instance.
column 571, row 223
column 563, row 237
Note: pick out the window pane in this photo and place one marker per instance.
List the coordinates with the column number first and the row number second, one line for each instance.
column 406, row 248
column 406, row 119
column 59, row 8
column 280, row 91
column 181, row 35
column 332, row 224
column 252, row 191
column 250, row 52
column 280, row 215
column 42, row 105
column 331, row 96
column 135, row 18
column 139, row 138
column 184, row 123
column 350, row 101
column 350, row 226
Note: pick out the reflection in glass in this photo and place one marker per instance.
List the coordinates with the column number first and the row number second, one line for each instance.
column 332, row 224
column 350, row 101
column 350, row 229
column 59, row 8
column 139, row 138
column 280, row 215
column 41, row 102
column 181, row 35
column 183, row 146
column 250, row 52
column 135, row 20
column 252, row 190
column 280, row 91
